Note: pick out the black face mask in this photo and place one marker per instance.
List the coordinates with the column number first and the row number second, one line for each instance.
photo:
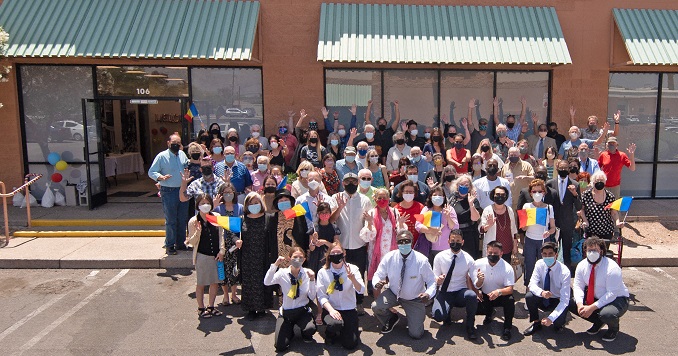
column 563, row 173
column 351, row 188
column 492, row 171
column 382, row 127
column 510, row 124
column 599, row 185
column 541, row 175
column 233, row 139
column 400, row 141
column 269, row 189
column 455, row 246
column 574, row 170
column 448, row 179
column 493, row 258
column 206, row 170
column 215, row 132
column 175, row 147
column 195, row 156
column 336, row 259
column 205, row 139
column 500, row 199
column 313, row 140
column 485, row 148
column 436, row 138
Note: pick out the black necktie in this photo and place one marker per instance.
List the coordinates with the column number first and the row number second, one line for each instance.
column 540, row 148
column 547, row 286
column 402, row 274
column 297, row 282
column 337, row 284
column 448, row 277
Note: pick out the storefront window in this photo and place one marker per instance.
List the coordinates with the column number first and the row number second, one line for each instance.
column 668, row 119
column 344, row 88
column 142, row 81
column 231, row 97
column 533, row 86
column 456, row 90
column 417, row 93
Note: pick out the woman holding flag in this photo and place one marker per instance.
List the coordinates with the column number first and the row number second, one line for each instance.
column 226, row 204
column 436, row 229
column 287, row 232
column 538, row 221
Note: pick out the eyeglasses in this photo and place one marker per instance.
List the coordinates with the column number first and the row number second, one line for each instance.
column 366, row 178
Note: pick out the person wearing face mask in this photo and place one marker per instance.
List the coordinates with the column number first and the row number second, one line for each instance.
column 203, row 139
column 298, row 286
column 215, row 132
column 237, row 173
column 518, row 172
column 538, row 142
column 369, row 137
column 432, row 242
column 514, row 130
column 411, row 284
column 278, row 150
column 216, row 150
column 421, row 189
column 592, row 131
column 575, row 140
column 303, row 183
column 233, row 140
column 434, row 177
column 418, row 161
column 338, row 285
column 553, row 133
column 588, row 165
column 498, row 223
column 525, row 155
column 383, row 136
column 313, row 151
column 399, row 175
column 567, row 200
column 260, row 173
column 334, row 145
column 598, row 292
column 407, row 205
column 340, row 129
column 612, row 161
column 493, row 280
column 315, row 195
column 598, row 219
column 208, row 243
column 548, row 290
column 411, row 136
column 290, row 140
column 458, row 156
column 324, row 235
column 486, row 184
column 208, row 184
column 467, row 209
column 253, row 146
column 550, row 197
column 267, row 192
column 378, row 171
column 536, row 235
column 551, row 161
column 195, row 155
column 286, row 232
column 486, row 153
column 437, row 145
column 226, row 204
column 348, row 165
column 166, row 169
column 398, row 151
column 361, row 149
column 365, row 184
column 255, row 132
column 476, row 135
column 452, row 268
column 502, row 143
column 476, row 167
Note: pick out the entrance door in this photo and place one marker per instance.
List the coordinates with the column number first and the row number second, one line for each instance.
column 94, row 154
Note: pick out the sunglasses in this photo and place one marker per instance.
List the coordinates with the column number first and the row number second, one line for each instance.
column 366, row 178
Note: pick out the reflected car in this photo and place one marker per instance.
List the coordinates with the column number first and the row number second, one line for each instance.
column 235, row 112
column 74, row 129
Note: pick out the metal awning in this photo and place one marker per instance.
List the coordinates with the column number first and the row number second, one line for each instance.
column 650, row 36
column 440, row 34
column 169, row 29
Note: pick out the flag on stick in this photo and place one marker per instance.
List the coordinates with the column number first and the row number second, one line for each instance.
column 430, row 218
column 621, row 204
column 227, row 222
column 191, row 113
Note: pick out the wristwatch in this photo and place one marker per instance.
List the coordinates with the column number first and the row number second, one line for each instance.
column 499, row 290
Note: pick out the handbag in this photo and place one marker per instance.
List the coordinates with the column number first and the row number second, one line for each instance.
column 423, row 245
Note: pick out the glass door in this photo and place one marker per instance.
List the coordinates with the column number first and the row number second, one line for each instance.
column 94, row 154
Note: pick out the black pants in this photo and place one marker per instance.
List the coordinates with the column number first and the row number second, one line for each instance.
column 284, row 326
column 566, row 241
column 505, row 301
column 358, row 257
column 534, row 303
column 346, row 330
column 471, row 240
column 609, row 314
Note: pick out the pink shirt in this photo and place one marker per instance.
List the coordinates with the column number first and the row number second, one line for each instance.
column 258, row 179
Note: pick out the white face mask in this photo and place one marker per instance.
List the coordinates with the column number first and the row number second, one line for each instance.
column 274, row 145
column 408, row 197
column 303, row 173
column 538, row 197
column 369, row 135
column 413, row 178
column 255, row 134
column 365, row 184
column 205, row 208
column 574, row 135
column 342, row 132
column 427, row 135
column 414, row 132
column 374, row 159
column 592, row 256
column 437, row 200
column 313, row 185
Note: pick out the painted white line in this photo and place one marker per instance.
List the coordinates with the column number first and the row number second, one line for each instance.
column 36, row 312
column 633, row 269
column 664, row 273
column 70, row 313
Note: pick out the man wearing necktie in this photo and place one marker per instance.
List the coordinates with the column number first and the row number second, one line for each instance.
column 411, row 283
column 549, row 290
column 599, row 293
column 564, row 210
column 539, row 141
column 452, row 268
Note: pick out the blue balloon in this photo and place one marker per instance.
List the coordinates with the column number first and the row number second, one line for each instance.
column 53, row 158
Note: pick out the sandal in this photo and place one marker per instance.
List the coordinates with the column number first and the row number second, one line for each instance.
column 235, row 300
column 214, row 312
column 204, row 313
column 224, row 303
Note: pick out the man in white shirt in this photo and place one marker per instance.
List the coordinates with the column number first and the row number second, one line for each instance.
column 484, row 185
column 608, row 300
column 451, row 268
column 349, row 217
column 315, row 196
column 411, row 283
column 494, row 277
column 549, row 290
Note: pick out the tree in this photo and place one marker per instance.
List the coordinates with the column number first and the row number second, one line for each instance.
column 4, row 70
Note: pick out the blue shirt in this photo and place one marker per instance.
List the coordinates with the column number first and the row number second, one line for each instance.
column 515, row 132
column 166, row 163
column 342, row 168
column 589, row 166
column 568, row 144
column 423, row 167
column 329, row 126
column 241, row 177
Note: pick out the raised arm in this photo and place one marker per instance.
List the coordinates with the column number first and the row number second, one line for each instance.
column 335, row 126
column 602, row 138
column 367, row 113
column 290, row 119
column 300, row 123
column 535, row 123
column 495, row 111
column 469, row 118
column 396, row 105
column 617, row 115
column 573, row 111
column 325, row 113
column 523, row 106
column 354, row 118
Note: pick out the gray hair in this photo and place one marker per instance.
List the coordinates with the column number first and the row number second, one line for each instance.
column 599, row 174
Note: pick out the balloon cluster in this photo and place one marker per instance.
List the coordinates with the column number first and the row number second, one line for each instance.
column 55, row 159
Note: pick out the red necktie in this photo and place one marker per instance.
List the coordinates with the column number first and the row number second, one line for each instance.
column 590, row 293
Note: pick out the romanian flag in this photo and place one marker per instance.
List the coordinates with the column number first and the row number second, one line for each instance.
column 533, row 216
column 430, row 218
column 191, row 113
column 298, row 210
column 227, row 222
column 282, row 184
column 621, row 204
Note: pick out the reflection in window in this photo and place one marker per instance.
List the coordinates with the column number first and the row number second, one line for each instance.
column 456, row 90
column 637, row 183
column 142, row 81
column 668, row 130
column 231, row 97
column 343, row 88
column 417, row 93
column 533, row 86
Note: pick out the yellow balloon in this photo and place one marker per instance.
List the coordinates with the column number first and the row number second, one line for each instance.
column 61, row 165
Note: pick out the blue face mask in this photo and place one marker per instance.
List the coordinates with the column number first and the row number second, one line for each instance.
column 254, row 208
column 549, row 261
column 282, row 130
column 284, row 205
column 230, row 158
column 405, row 249
column 362, row 152
column 350, row 159
column 415, row 159
column 334, row 142
column 217, row 150
column 463, row 190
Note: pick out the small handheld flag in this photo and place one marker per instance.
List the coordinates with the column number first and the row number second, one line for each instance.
column 621, row 204
column 533, row 216
column 227, row 222
column 297, row 210
column 191, row 113
column 282, row 184
column 430, row 218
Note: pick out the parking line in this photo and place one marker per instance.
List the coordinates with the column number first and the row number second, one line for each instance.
column 70, row 313
column 664, row 273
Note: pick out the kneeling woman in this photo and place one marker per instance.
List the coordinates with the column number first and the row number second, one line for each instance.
column 208, row 248
column 298, row 287
column 338, row 283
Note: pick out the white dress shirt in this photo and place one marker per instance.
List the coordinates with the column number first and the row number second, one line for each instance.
column 560, row 285
column 351, row 220
column 609, row 284
column 484, row 186
column 282, row 278
column 496, row 277
column 419, row 277
column 339, row 299
column 462, row 267
column 313, row 204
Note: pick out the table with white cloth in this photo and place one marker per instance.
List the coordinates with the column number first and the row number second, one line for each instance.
column 130, row 162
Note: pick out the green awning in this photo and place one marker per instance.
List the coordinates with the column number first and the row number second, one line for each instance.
column 650, row 36
column 440, row 34
column 210, row 29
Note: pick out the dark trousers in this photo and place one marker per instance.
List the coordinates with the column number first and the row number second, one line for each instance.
column 463, row 298
column 358, row 257
column 471, row 241
column 346, row 330
column 535, row 303
column 566, row 241
column 505, row 301
column 608, row 314
column 284, row 326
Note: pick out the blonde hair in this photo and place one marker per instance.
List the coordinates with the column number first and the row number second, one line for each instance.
column 318, row 146
column 304, row 165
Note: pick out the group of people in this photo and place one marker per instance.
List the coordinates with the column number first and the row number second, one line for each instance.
column 366, row 194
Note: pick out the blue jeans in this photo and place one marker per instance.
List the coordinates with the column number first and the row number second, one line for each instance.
column 532, row 254
column 176, row 213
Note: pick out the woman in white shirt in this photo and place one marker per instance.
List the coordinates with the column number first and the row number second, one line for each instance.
column 338, row 283
column 298, row 287
column 536, row 235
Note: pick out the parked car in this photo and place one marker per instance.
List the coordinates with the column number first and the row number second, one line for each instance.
column 74, row 129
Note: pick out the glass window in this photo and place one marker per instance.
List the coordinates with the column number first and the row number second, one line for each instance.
column 668, row 129
column 637, row 183
column 533, row 86
column 456, row 90
column 666, row 184
column 635, row 96
column 142, row 81
column 417, row 93
column 343, row 88
column 231, row 97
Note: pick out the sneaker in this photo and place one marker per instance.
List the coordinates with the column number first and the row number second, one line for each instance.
column 471, row 333
column 506, row 335
column 360, row 309
column 610, row 335
column 182, row 248
column 594, row 329
column 170, row 251
column 390, row 324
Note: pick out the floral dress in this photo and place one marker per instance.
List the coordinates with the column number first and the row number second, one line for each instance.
column 331, row 181
column 231, row 258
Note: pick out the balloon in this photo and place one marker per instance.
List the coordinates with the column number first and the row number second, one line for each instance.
column 53, row 158
column 57, row 177
column 76, row 173
column 61, row 165
column 67, row 156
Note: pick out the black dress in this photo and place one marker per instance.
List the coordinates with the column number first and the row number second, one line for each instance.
column 316, row 258
column 468, row 227
column 255, row 255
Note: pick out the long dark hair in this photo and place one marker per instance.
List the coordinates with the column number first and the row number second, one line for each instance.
column 329, row 250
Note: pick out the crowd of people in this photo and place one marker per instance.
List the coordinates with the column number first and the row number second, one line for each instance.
column 363, row 234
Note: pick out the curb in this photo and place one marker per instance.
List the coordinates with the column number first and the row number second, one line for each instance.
column 91, row 233
column 98, row 222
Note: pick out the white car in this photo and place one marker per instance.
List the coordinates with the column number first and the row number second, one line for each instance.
column 74, row 129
